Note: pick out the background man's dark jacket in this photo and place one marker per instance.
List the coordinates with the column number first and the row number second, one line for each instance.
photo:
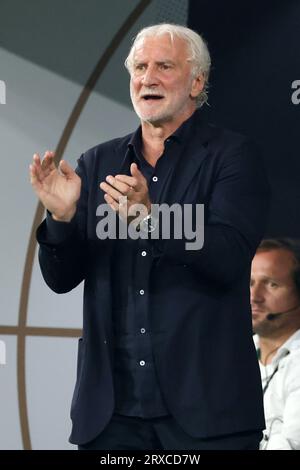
column 204, row 353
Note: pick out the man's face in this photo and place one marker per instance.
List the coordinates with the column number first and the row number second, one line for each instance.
column 161, row 70
column 272, row 290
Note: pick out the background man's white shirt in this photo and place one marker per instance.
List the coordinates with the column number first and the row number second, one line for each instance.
column 282, row 396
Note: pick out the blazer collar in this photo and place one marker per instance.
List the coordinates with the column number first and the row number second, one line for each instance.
column 194, row 151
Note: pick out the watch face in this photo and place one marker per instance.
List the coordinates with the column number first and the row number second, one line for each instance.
column 151, row 225
column 148, row 224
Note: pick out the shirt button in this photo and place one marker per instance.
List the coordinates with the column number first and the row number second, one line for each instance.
column 142, row 363
column 142, row 292
column 144, row 253
column 143, row 330
column 155, row 179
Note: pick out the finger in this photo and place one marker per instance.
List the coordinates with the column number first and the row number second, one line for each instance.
column 129, row 180
column 34, row 178
column 123, row 188
column 138, row 176
column 135, row 172
column 48, row 161
column 47, row 166
column 49, row 154
column 116, row 195
column 35, row 167
column 36, row 159
column 113, row 204
column 66, row 169
column 38, row 165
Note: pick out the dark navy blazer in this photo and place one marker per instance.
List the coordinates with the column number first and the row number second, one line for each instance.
column 200, row 310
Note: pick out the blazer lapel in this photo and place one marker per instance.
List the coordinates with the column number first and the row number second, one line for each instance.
column 192, row 157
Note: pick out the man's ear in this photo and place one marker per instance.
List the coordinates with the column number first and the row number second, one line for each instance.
column 197, row 86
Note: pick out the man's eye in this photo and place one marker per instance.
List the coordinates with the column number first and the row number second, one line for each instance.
column 273, row 284
column 140, row 67
column 165, row 66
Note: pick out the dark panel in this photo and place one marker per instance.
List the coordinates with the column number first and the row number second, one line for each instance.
column 255, row 55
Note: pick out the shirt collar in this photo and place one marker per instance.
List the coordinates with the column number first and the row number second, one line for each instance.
column 182, row 133
column 135, row 142
column 292, row 343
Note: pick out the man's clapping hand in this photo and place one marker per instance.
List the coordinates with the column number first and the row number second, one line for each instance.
column 57, row 188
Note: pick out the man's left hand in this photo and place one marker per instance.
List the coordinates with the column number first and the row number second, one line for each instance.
column 134, row 188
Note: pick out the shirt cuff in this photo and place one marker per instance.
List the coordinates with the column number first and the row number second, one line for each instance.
column 55, row 232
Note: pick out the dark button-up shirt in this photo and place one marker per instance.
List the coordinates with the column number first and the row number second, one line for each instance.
column 137, row 390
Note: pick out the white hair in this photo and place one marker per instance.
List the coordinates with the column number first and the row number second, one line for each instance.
column 199, row 54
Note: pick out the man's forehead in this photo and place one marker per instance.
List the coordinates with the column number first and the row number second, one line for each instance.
column 274, row 263
column 160, row 46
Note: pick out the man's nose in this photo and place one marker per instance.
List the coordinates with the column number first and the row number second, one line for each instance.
column 256, row 294
column 149, row 78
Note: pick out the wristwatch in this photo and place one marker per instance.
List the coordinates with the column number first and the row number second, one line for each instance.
column 148, row 224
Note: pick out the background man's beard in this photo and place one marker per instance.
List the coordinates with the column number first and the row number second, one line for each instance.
column 264, row 329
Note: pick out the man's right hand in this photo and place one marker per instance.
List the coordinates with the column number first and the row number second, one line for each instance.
column 57, row 188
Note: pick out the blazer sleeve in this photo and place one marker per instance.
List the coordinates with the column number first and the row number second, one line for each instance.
column 235, row 219
column 62, row 245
